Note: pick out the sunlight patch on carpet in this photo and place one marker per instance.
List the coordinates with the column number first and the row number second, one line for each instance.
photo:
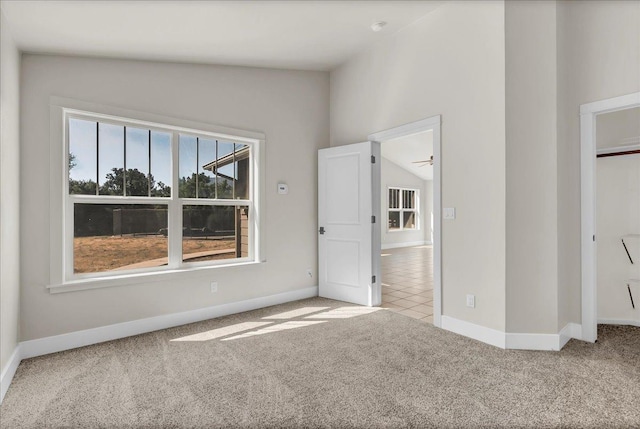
column 222, row 332
column 296, row 313
column 276, row 328
column 344, row 313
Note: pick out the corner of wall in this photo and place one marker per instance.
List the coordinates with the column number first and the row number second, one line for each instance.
column 10, row 59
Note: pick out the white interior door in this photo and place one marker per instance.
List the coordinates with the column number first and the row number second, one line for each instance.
column 348, row 212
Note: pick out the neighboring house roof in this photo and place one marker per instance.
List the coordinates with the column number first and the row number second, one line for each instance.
column 237, row 155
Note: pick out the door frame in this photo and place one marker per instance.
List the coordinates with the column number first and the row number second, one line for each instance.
column 588, row 114
column 429, row 124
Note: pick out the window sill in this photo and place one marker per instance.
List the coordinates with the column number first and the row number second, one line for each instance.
column 137, row 278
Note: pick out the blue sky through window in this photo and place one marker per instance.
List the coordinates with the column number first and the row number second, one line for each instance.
column 111, row 151
column 82, row 144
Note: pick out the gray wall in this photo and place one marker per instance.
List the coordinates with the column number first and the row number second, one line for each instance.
column 289, row 107
column 9, row 195
column 452, row 63
column 532, row 235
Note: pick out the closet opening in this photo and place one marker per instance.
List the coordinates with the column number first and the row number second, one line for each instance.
column 610, row 213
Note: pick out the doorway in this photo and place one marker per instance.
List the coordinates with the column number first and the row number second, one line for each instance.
column 593, row 146
column 410, row 248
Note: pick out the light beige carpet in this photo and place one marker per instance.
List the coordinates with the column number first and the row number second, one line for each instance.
column 326, row 364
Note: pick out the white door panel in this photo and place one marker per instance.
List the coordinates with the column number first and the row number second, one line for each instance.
column 346, row 258
column 343, row 256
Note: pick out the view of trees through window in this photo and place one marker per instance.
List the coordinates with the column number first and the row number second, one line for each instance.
column 107, row 161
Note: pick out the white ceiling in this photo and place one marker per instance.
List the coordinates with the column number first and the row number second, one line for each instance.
column 306, row 35
column 405, row 150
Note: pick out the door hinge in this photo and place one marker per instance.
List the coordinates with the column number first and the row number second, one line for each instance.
column 373, row 279
column 594, row 238
column 373, row 159
column 373, row 219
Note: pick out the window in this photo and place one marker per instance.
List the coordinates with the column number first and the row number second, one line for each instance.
column 151, row 197
column 402, row 209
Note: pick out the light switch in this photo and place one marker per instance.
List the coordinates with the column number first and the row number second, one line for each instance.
column 283, row 188
column 449, row 213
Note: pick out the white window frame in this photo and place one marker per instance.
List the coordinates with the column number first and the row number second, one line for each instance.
column 401, row 209
column 62, row 277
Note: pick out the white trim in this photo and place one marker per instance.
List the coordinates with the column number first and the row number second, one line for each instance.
column 407, row 130
column 404, row 244
column 72, row 340
column 550, row 342
column 533, row 341
column 571, row 330
column 611, row 104
column 513, row 341
column 588, row 113
column 433, row 123
column 147, row 277
column 9, row 371
column 481, row 333
column 619, row 322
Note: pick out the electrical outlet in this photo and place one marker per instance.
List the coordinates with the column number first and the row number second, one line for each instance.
column 471, row 301
column 309, row 273
column 214, row 287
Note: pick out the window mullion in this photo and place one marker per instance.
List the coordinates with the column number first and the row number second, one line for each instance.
column 175, row 207
column 215, row 186
column 97, row 158
column 149, row 169
column 124, row 162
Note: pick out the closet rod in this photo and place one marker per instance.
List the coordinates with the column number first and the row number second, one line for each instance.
column 626, row 152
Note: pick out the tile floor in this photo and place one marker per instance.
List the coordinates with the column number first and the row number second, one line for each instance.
column 407, row 281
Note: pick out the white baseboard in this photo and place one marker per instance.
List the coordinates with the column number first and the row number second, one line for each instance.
column 477, row 332
column 9, row 371
column 571, row 330
column 619, row 322
column 513, row 341
column 533, row 341
column 72, row 340
column 552, row 342
column 405, row 244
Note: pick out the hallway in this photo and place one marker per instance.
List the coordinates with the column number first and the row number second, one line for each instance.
column 407, row 281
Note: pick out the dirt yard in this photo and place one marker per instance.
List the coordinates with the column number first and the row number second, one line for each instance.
column 94, row 254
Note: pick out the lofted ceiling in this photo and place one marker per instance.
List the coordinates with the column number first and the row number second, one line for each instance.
column 404, row 151
column 304, row 35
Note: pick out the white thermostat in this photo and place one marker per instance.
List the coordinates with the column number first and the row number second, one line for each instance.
column 283, row 188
